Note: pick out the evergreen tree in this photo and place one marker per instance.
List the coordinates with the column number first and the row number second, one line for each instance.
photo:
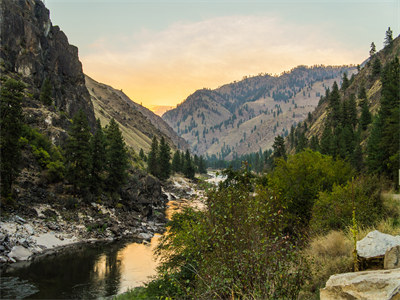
column 345, row 81
column 164, row 159
column 117, row 157
column 388, row 38
column 375, row 155
column 334, row 105
column 189, row 170
column 202, row 166
column 176, row 162
column 362, row 93
column 314, row 144
column 98, row 159
column 11, row 95
column 45, row 93
column 152, row 158
column 376, row 67
column 302, row 142
column 326, row 140
column 142, row 155
column 77, row 153
column 373, row 49
column 352, row 111
column 356, row 159
column 279, row 148
column 365, row 118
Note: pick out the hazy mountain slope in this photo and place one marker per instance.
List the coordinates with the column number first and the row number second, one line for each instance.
column 244, row 116
column 372, row 84
column 137, row 123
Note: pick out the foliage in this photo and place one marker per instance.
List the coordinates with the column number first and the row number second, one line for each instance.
column 279, row 148
column 188, row 166
column 383, row 147
column 236, row 248
column 77, row 153
column 152, row 165
column 11, row 95
column 116, row 156
column 97, row 159
column 299, row 180
column 333, row 210
column 164, row 159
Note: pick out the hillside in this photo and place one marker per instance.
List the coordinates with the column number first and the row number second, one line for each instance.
column 366, row 78
column 137, row 123
column 244, row 116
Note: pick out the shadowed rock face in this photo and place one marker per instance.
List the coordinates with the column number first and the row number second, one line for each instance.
column 33, row 49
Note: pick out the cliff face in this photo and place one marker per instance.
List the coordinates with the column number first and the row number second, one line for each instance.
column 33, row 50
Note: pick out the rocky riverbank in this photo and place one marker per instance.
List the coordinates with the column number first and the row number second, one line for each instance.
column 42, row 228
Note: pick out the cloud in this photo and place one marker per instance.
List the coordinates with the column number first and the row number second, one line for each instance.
column 164, row 67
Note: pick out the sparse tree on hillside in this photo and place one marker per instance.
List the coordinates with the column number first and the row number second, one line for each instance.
column 142, row 155
column 388, row 38
column 373, row 49
column 345, row 81
column 279, row 148
column 11, row 95
column 376, row 67
column 365, row 118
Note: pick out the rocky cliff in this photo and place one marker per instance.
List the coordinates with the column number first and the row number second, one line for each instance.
column 33, row 50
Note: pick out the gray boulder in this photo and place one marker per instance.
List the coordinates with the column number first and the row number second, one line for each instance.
column 19, row 253
column 392, row 258
column 376, row 243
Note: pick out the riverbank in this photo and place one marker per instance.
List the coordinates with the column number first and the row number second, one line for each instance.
column 45, row 228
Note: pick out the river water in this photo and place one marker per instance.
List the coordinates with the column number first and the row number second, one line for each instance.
column 86, row 271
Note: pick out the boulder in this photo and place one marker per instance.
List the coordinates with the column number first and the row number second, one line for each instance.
column 373, row 285
column 19, row 253
column 145, row 236
column 376, row 244
column 392, row 258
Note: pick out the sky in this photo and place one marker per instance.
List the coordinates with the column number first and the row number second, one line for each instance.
column 160, row 51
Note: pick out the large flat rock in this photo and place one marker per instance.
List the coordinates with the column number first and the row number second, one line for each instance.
column 367, row 285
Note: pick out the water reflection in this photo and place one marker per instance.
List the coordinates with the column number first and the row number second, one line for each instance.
column 87, row 272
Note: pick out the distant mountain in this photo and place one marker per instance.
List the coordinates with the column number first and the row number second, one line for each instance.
column 137, row 123
column 245, row 116
column 159, row 110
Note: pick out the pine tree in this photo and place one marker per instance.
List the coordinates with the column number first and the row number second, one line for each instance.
column 152, row 158
column 314, row 144
column 45, row 93
column 376, row 67
column 326, row 140
column 202, row 165
column 142, row 155
column 362, row 93
column 373, row 49
column 388, row 38
column 375, row 155
column 98, row 159
column 176, row 162
column 77, row 153
column 189, row 170
column 164, row 160
column 334, row 105
column 352, row 111
column 345, row 81
column 117, row 157
column 279, row 148
column 11, row 95
column 365, row 118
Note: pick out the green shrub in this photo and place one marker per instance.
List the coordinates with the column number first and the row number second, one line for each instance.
column 300, row 179
column 55, row 171
column 42, row 156
column 333, row 210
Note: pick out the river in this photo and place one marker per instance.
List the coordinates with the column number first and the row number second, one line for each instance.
column 88, row 271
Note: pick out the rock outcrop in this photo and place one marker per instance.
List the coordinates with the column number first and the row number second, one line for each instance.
column 375, row 244
column 33, row 50
column 373, row 285
column 392, row 258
